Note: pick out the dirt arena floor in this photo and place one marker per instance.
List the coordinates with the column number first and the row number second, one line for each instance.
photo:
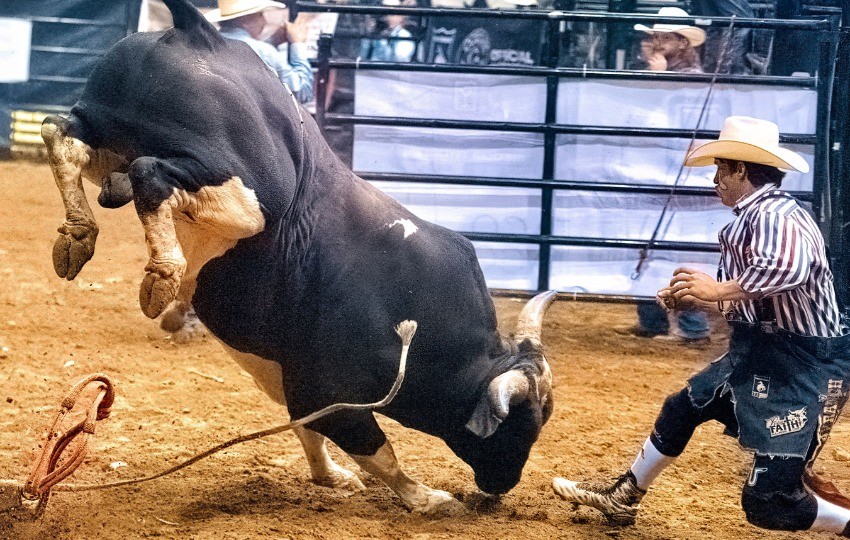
column 174, row 400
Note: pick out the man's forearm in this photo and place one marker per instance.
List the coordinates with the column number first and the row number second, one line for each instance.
column 730, row 291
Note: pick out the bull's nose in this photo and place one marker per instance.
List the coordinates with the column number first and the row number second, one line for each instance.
column 496, row 487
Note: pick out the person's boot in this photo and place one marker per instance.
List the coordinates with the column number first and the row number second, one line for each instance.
column 618, row 500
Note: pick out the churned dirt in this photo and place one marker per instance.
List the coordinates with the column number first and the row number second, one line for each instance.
column 174, row 400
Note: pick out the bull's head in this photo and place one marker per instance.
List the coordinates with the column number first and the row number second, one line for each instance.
column 509, row 415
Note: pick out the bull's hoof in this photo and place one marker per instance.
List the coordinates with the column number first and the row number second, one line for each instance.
column 160, row 286
column 342, row 480
column 73, row 249
column 438, row 503
column 182, row 323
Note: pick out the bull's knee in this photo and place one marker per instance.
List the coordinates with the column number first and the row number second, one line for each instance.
column 779, row 511
column 148, row 183
column 53, row 128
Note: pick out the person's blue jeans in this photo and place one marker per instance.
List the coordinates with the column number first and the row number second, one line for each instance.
column 692, row 324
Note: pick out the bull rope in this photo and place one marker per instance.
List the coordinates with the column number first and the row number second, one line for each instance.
column 644, row 251
column 37, row 489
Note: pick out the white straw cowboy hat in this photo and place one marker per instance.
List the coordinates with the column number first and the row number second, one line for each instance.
column 232, row 9
column 522, row 3
column 696, row 36
column 748, row 139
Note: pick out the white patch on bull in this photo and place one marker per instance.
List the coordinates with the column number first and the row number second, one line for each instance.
column 409, row 226
column 210, row 221
column 231, row 209
column 267, row 374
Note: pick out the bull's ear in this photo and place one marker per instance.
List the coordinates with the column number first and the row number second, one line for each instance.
column 483, row 421
column 507, row 389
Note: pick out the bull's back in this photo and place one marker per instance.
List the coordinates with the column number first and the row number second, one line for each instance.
column 222, row 112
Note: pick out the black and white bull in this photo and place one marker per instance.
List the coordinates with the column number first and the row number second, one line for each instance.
column 300, row 268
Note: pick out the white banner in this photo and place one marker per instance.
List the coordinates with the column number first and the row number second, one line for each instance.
column 461, row 152
column 647, row 160
column 634, row 216
column 677, row 105
column 578, row 213
column 15, row 38
column 611, row 271
column 453, row 96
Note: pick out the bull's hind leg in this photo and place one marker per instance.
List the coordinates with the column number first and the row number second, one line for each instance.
column 268, row 377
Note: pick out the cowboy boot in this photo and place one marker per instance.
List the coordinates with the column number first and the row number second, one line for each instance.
column 619, row 500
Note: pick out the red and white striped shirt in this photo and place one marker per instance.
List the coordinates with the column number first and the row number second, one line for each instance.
column 774, row 248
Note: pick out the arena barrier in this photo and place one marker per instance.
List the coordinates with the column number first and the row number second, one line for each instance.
column 47, row 52
column 560, row 175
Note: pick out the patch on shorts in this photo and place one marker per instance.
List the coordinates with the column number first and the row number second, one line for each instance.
column 761, row 386
column 792, row 423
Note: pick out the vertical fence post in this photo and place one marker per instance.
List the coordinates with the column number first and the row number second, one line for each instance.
column 324, row 60
column 839, row 240
column 822, row 188
column 553, row 35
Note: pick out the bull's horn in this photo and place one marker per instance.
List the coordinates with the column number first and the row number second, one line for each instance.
column 530, row 320
column 507, row 389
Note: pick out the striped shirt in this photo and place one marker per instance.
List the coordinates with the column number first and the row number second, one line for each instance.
column 775, row 249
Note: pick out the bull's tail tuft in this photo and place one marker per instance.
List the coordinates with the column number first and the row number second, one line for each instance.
column 188, row 19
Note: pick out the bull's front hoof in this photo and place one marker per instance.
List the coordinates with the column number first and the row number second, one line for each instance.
column 341, row 480
column 160, row 286
column 438, row 503
column 73, row 249
column 182, row 323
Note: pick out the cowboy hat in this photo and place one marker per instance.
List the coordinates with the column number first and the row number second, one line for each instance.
column 522, row 3
column 747, row 139
column 696, row 36
column 233, row 9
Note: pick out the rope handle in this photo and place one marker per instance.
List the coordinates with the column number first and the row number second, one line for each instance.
column 405, row 330
column 46, row 471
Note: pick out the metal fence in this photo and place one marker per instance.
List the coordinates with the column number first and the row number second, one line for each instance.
column 826, row 199
column 68, row 38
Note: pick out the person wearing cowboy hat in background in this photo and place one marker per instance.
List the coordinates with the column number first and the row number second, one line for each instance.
column 672, row 47
column 784, row 380
column 278, row 42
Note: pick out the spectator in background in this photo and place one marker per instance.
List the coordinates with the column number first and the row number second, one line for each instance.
column 396, row 42
column 280, row 44
column 722, row 47
column 672, row 47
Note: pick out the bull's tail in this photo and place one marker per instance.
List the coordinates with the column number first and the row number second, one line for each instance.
column 188, row 19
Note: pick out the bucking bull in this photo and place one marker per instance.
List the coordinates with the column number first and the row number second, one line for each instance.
column 300, row 268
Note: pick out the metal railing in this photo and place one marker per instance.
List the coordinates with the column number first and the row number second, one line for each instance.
column 822, row 198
